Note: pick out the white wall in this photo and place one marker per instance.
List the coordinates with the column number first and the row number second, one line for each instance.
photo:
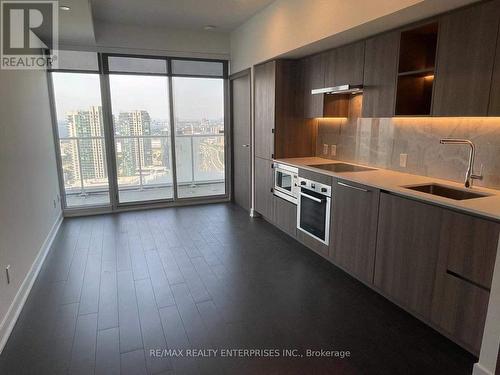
column 314, row 25
column 28, row 178
column 161, row 41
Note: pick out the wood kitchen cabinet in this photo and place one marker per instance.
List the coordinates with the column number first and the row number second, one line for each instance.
column 263, row 188
column 438, row 264
column 354, row 228
column 349, row 65
column 345, row 65
column 313, row 75
column 407, row 252
column 265, row 105
column 467, row 254
column 494, row 105
column 280, row 129
column 285, row 215
column 465, row 58
column 380, row 71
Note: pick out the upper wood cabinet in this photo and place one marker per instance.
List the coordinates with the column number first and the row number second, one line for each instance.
column 494, row 106
column 280, row 129
column 330, row 58
column 345, row 65
column 354, row 228
column 417, row 56
column 349, row 64
column 465, row 58
column 313, row 75
column 380, row 71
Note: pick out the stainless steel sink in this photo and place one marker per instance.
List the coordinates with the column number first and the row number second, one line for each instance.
column 341, row 167
column 446, row 191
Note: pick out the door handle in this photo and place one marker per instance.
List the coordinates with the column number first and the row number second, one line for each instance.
column 353, row 187
column 245, row 145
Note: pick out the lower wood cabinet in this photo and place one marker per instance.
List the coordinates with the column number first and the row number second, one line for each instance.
column 438, row 264
column 459, row 309
column 407, row 252
column 467, row 254
column 285, row 216
column 434, row 262
column 263, row 188
column 354, row 228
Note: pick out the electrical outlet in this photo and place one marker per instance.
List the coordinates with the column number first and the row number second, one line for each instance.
column 403, row 159
column 333, row 150
column 325, row 149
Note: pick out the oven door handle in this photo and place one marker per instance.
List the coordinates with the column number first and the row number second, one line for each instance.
column 311, row 197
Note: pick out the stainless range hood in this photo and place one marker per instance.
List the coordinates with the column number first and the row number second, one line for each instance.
column 342, row 89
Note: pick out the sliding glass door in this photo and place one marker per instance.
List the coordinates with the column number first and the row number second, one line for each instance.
column 141, row 128
column 116, row 147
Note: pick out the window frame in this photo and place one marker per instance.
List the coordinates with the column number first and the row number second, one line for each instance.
column 104, row 72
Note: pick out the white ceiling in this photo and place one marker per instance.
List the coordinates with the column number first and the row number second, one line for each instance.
column 76, row 25
column 178, row 14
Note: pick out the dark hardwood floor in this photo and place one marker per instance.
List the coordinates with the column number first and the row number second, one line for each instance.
column 114, row 287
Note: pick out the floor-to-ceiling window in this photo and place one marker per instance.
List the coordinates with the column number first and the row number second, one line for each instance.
column 116, row 147
column 82, row 147
column 199, row 136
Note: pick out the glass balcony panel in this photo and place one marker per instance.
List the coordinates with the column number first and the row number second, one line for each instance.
column 84, row 171
column 143, row 168
column 200, row 165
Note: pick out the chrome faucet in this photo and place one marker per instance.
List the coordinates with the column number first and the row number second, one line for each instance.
column 469, row 175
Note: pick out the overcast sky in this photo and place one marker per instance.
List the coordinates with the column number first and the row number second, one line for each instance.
column 195, row 98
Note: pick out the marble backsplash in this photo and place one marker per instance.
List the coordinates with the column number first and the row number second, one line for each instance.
column 379, row 142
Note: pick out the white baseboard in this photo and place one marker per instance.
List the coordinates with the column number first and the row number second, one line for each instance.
column 17, row 304
column 480, row 370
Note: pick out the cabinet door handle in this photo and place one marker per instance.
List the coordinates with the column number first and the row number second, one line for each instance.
column 245, row 145
column 353, row 187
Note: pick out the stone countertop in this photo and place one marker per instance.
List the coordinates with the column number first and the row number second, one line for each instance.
column 392, row 181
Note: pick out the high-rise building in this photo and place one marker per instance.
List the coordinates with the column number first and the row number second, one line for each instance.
column 87, row 152
column 133, row 152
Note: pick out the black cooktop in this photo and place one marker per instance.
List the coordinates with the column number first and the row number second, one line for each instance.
column 342, row 167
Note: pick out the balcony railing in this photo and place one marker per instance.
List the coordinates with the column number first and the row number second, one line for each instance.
column 143, row 162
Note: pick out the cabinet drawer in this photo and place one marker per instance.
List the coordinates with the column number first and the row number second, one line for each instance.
column 285, row 216
column 470, row 244
column 459, row 309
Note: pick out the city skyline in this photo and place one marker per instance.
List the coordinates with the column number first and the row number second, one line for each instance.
column 194, row 98
column 141, row 158
column 141, row 126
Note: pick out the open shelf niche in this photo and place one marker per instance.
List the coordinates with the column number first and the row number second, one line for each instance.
column 417, row 58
